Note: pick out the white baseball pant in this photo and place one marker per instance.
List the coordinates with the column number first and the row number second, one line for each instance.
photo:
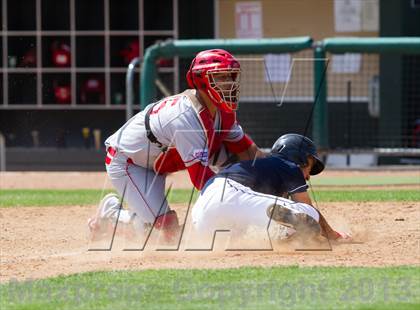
column 225, row 204
column 141, row 188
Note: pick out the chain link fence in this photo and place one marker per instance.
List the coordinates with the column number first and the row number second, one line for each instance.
column 372, row 95
column 353, row 100
column 277, row 94
column 373, row 100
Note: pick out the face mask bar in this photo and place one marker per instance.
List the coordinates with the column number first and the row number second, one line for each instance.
column 226, row 83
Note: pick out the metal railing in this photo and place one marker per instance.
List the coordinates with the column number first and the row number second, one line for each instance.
column 129, row 87
column 2, row 153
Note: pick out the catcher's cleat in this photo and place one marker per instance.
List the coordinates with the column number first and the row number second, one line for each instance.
column 169, row 226
column 301, row 222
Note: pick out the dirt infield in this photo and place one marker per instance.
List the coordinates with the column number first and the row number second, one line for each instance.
column 38, row 242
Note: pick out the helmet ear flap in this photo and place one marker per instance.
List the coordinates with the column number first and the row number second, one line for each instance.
column 189, row 75
column 303, row 158
column 199, row 84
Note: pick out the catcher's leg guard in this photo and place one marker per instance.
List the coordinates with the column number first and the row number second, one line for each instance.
column 169, row 225
column 301, row 222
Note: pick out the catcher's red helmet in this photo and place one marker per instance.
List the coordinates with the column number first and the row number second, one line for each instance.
column 217, row 73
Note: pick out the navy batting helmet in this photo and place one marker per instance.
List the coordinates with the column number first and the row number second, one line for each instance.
column 297, row 148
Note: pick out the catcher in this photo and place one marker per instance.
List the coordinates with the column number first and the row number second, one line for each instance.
column 191, row 130
column 253, row 193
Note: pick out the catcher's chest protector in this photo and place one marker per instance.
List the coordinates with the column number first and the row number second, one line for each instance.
column 170, row 160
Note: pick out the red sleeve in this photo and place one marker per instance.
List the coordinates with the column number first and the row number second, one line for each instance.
column 199, row 174
column 239, row 146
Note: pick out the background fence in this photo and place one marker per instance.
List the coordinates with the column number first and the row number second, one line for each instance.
column 270, row 78
column 353, row 99
column 369, row 98
column 376, row 83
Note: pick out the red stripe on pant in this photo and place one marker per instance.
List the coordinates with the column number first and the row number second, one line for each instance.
column 111, row 152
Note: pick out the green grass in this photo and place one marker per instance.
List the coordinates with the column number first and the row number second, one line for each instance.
column 365, row 180
column 242, row 288
column 44, row 197
column 365, row 195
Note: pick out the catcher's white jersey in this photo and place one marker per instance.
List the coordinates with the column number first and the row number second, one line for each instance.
column 175, row 123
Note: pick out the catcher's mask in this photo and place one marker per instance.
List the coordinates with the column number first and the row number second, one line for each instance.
column 297, row 148
column 217, row 73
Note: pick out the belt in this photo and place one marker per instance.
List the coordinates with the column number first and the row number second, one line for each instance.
column 110, row 154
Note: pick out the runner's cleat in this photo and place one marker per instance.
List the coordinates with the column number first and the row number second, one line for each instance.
column 301, row 222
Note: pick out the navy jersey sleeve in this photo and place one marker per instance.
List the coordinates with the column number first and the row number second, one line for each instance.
column 296, row 183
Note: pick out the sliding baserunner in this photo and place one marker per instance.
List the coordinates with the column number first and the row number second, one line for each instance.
column 254, row 192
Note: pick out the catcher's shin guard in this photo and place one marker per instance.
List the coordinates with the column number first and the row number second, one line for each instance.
column 301, row 222
column 169, row 225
